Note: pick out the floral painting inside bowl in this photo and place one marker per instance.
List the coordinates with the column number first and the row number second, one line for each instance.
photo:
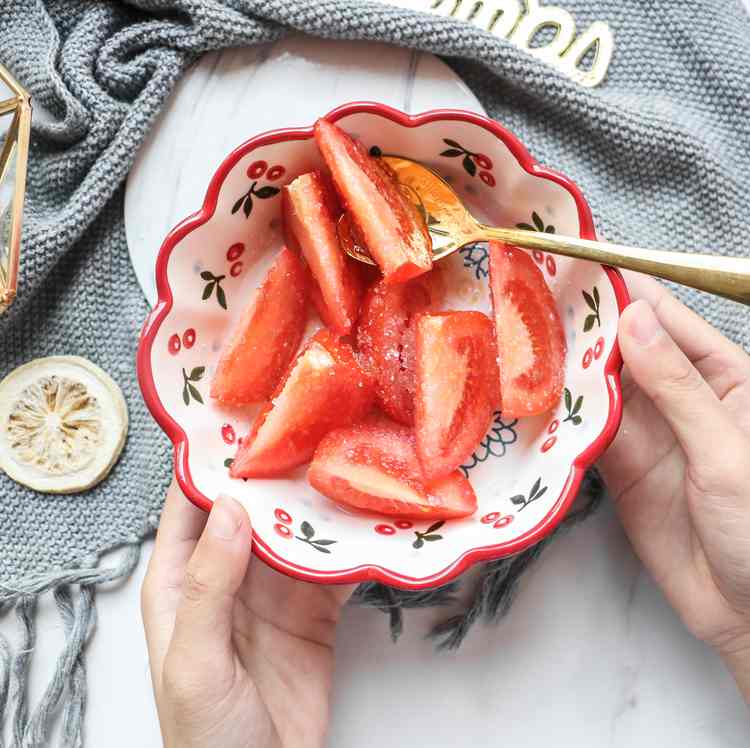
column 525, row 472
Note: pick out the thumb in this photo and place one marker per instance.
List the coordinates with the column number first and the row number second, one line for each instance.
column 670, row 380
column 203, row 622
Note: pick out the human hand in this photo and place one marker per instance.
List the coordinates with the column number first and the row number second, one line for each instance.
column 240, row 654
column 680, row 466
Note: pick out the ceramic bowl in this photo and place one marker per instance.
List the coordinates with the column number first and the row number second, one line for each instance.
column 525, row 472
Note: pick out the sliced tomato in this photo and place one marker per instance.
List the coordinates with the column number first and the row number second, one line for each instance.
column 373, row 466
column 456, row 378
column 311, row 211
column 266, row 337
column 385, row 339
column 530, row 338
column 324, row 389
column 392, row 229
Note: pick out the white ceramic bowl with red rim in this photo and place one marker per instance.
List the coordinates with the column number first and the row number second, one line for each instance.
column 525, row 473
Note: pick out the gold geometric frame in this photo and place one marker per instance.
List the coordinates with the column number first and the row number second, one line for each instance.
column 16, row 147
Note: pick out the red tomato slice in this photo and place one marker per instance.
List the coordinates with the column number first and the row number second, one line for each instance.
column 456, row 376
column 311, row 211
column 385, row 339
column 530, row 338
column 373, row 466
column 324, row 389
column 394, row 232
column 266, row 337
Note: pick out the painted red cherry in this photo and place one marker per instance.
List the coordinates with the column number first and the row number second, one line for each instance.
column 282, row 516
column 283, row 530
column 403, row 524
column 227, row 433
column 488, row 519
column 257, row 169
column 538, row 256
column 188, row 338
column 385, row 529
column 504, row 521
column 549, row 444
column 276, row 172
column 553, row 426
column 236, row 269
column 235, row 251
column 551, row 265
column 487, row 178
column 599, row 348
column 174, row 344
column 588, row 357
column 482, row 161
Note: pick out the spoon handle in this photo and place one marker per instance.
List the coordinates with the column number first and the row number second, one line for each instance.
column 724, row 276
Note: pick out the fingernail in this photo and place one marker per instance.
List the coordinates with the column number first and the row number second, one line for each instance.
column 224, row 520
column 643, row 324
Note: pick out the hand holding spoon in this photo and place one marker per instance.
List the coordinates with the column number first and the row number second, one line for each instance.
column 452, row 226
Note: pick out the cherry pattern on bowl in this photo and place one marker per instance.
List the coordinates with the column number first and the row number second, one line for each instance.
column 255, row 172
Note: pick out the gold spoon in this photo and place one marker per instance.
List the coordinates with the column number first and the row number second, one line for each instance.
column 452, row 227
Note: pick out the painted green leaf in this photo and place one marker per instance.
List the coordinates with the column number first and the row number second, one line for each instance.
column 435, row 526
column 469, row 165
column 576, row 420
column 550, row 229
column 207, row 276
column 535, row 487
column 518, row 499
column 452, row 143
column 322, row 550
column 451, row 152
column 307, row 529
column 221, row 297
column 568, row 400
column 208, row 290
column 596, row 297
column 265, row 192
column 418, row 543
column 577, row 406
column 228, row 462
column 197, row 373
column 247, row 207
column 539, row 494
column 589, row 300
column 525, row 227
column 194, row 392
column 589, row 323
column 324, row 542
column 185, row 395
column 538, row 222
column 238, row 205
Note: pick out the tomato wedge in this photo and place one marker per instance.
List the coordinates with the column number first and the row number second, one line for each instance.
column 311, row 210
column 385, row 339
column 530, row 337
column 324, row 389
column 392, row 228
column 373, row 466
column 267, row 335
column 456, row 377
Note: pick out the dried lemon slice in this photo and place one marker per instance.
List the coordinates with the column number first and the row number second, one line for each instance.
column 63, row 423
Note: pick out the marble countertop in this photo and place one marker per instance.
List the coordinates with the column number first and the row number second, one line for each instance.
column 589, row 656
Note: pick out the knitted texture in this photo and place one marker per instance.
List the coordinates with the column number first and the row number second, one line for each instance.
column 662, row 150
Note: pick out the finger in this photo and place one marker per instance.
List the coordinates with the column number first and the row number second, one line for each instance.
column 665, row 374
column 702, row 343
column 180, row 527
column 203, row 624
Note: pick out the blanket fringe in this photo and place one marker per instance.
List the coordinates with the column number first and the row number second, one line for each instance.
column 66, row 690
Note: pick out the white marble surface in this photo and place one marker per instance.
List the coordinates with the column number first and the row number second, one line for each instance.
column 590, row 656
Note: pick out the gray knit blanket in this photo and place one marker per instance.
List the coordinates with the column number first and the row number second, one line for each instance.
column 657, row 133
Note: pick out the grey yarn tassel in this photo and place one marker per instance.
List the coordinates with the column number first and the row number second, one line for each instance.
column 5, row 667
column 26, row 613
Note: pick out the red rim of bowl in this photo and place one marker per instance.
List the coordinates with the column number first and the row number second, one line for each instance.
column 375, row 572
